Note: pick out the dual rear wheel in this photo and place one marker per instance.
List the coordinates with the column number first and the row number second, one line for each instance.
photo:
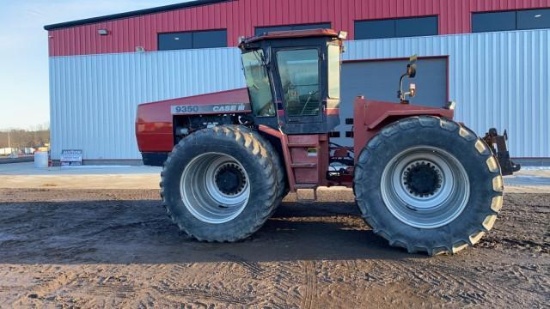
column 221, row 184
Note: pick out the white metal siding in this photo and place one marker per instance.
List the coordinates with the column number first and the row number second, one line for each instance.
column 498, row 79
column 94, row 98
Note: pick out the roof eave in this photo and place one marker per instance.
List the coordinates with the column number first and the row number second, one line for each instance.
column 159, row 9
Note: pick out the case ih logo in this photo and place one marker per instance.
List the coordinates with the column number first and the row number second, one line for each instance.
column 209, row 109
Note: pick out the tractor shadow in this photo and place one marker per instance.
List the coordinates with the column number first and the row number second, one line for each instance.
column 138, row 231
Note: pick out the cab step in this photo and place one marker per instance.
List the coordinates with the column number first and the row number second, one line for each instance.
column 306, row 192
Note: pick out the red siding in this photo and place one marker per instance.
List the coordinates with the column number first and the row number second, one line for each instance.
column 240, row 17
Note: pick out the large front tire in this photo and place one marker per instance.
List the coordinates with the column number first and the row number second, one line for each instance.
column 219, row 184
column 428, row 184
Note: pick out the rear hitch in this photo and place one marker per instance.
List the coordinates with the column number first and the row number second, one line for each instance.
column 507, row 166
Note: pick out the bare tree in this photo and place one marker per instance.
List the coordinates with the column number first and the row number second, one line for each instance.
column 19, row 139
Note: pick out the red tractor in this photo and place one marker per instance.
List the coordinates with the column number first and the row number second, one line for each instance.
column 421, row 180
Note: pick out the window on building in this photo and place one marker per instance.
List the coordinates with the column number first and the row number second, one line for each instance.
column 533, row 19
column 422, row 26
column 394, row 28
column 192, row 39
column 494, row 21
column 374, row 29
column 261, row 30
column 511, row 20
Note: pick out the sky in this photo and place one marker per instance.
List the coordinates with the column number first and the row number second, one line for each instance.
column 24, row 83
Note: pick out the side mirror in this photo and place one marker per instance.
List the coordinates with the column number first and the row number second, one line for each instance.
column 411, row 70
column 411, row 73
column 411, row 66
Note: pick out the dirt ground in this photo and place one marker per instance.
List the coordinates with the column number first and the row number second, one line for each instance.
column 89, row 248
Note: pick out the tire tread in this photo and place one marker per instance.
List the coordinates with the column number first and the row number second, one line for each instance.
column 252, row 143
column 454, row 242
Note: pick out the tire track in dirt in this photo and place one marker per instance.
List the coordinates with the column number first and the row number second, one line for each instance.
column 467, row 291
column 203, row 286
column 448, row 282
column 474, row 285
column 86, row 287
column 199, row 292
column 254, row 269
column 284, row 286
column 90, row 288
column 280, row 284
column 47, row 286
column 310, row 287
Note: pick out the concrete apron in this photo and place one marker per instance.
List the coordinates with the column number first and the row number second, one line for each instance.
column 26, row 176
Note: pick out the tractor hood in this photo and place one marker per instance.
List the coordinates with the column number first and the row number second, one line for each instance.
column 154, row 129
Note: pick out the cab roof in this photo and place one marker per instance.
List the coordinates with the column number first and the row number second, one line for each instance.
column 292, row 34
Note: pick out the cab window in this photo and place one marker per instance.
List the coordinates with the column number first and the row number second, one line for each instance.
column 257, row 82
column 299, row 74
column 334, row 71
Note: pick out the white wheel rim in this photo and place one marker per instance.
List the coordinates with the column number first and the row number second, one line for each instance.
column 209, row 198
column 425, row 187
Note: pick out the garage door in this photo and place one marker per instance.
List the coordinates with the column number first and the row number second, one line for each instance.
column 379, row 80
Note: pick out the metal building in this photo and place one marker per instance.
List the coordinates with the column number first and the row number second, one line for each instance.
column 491, row 57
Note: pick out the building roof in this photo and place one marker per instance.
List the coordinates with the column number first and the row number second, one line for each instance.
column 159, row 9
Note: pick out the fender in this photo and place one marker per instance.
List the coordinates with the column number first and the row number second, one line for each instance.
column 371, row 116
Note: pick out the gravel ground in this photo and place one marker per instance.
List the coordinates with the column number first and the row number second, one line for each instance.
column 89, row 239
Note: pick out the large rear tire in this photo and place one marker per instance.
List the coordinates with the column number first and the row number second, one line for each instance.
column 428, row 184
column 220, row 184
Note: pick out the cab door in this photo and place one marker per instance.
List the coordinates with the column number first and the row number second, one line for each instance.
column 302, row 92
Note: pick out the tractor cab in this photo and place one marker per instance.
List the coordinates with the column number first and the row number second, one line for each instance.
column 293, row 79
